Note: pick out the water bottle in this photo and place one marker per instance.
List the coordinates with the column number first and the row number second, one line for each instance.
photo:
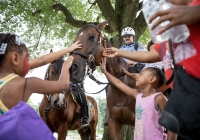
column 177, row 33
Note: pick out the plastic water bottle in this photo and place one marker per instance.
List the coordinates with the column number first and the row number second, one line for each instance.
column 177, row 33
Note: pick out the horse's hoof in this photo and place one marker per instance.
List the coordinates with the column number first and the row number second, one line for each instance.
column 169, row 121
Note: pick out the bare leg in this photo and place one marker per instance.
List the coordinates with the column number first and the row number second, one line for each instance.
column 114, row 129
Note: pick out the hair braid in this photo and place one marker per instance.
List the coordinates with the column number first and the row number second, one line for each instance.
column 10, row 39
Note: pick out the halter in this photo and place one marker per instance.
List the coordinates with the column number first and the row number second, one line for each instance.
column 90, row 64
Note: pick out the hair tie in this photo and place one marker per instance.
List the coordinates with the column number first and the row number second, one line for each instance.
column 3, row 48
column 18, row 40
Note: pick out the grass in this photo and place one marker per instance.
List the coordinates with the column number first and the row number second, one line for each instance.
column 74, row 135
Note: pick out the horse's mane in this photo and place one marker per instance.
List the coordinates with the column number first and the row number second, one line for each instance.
column 58, row 65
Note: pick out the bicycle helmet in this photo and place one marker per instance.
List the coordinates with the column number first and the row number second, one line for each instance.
column 127, row 31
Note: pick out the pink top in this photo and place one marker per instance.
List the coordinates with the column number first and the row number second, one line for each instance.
column 146, row 120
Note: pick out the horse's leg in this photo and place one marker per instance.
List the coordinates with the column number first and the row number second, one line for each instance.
column 93, row 126
column 62, row 131
column 81, row 133
column 114, row 129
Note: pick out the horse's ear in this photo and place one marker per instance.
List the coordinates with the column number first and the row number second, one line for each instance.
column 102, row 25
column 51, row 50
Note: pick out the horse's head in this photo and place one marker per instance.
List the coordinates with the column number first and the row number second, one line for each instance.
column 89, row 56
column 53, row 74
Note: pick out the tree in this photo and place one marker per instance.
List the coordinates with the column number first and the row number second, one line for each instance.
column 41, row 22
column 36, row 107
column 102, row 111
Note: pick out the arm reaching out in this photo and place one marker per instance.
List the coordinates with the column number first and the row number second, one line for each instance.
column 119, row 84
column 48, row 58
column 139, row 56
column 176, row 15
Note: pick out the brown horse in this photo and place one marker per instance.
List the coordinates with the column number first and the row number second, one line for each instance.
column 121, row 107
column 61, row 113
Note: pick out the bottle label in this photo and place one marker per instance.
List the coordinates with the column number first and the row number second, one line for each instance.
column 182, row 51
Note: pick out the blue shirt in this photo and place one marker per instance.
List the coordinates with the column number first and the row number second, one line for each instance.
column 131, row 48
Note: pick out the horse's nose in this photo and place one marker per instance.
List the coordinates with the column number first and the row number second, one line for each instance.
column 55, row 103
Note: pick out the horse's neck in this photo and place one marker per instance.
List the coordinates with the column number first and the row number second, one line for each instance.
column 114, row 66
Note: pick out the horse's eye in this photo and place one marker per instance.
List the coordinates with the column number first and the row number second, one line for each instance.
column 92, row 38
column 52, row 73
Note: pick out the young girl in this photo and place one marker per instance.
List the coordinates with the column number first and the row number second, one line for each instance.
column 18, row 120
column 149, row 103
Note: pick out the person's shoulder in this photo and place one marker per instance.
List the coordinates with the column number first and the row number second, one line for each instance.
column 160, row 97
column 139, row 43
column 140, row 46
column 123, row 46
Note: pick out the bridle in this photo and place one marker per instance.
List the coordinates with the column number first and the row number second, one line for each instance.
column 90, row 64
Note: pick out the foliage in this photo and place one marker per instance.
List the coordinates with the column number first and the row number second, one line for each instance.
column 47, row 24
column 102, row 111
column 36, row 107
column 41, row 25
column 145, row 37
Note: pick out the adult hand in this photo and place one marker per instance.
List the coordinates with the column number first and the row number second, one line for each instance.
column 103, row 64
column 176, row 15
column 110, row 52
column 74, row 46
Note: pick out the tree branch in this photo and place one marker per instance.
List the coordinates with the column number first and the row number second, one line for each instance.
column 68, row 16
column 140, row 6
column 108, row 13
column 40, row 36
column 140, row 25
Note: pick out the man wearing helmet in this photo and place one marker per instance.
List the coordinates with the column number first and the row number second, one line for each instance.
column 128, row 35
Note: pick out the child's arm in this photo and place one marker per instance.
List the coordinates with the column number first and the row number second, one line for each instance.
column 48, row 58
column 171, row 135
column 36, row 85
column 119, row 84
column 161, row 101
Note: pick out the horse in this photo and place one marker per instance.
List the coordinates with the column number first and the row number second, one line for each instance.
column 121, row 106
column 61, row 113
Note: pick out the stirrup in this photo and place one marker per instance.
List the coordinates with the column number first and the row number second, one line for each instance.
column 169, row 121
column 85, row 122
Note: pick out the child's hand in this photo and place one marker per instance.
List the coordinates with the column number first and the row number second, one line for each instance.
column 132, row 75
column 74, row 46
column 103, row 65
column 110, row 52
column 68, row 62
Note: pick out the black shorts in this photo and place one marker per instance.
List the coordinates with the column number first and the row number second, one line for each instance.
column 182, row 112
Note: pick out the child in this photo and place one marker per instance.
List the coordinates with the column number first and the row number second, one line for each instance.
column 18, row 120
column 181, row 114
column 149, row 103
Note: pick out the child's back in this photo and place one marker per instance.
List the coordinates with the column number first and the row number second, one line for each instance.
column 18, row 120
